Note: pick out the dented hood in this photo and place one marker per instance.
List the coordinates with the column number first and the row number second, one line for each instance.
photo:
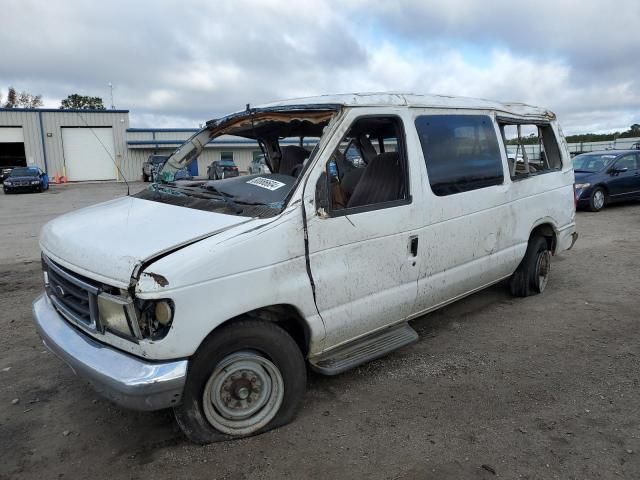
column 109, row 240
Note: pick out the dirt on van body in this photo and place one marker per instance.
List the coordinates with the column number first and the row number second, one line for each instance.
column 542, row 387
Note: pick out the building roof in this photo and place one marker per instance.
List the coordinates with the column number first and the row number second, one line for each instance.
column 412, row 100
column 62, row 110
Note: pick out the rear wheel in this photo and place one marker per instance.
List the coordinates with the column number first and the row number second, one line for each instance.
column 532, row 275
column 244, row 380
column 145, row 177
column 597, row 200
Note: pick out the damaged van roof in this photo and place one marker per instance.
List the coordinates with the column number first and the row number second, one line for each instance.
column 411, row 100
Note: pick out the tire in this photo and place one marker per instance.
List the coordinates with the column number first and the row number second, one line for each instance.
column 248, row 360
column 532, row 275
column 597, row 199
column 145, row 177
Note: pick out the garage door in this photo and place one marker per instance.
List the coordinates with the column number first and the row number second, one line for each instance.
column 12, row 147
column 89, row 153
column 11, row 135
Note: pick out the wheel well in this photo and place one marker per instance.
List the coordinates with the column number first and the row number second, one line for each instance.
column 547, row 231
column 603, row 187
column 286, row 316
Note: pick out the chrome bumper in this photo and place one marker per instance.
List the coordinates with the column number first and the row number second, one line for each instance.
column 126, row 380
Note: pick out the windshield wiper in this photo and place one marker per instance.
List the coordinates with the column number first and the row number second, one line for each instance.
column 208, row 193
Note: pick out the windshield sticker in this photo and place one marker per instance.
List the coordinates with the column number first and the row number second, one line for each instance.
column 266, row 183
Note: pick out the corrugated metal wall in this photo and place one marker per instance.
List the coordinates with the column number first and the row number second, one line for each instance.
column 53, row 121
column 30, row 124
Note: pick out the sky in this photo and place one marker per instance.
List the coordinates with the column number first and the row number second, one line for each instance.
column 180, row 63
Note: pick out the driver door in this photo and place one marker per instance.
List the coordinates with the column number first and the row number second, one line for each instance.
column 362, row 252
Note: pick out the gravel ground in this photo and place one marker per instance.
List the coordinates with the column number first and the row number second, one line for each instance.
column 542, row 387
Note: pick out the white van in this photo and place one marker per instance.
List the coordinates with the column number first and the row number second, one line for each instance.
column 211, row 297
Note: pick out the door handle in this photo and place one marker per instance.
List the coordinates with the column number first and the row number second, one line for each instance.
column 413, row 246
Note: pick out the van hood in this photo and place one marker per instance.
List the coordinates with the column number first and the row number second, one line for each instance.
column 108, row 241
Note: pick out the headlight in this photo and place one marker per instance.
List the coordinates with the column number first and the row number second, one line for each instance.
column 7, row 182
column 156, row 317
column 115, row 313
column 581, row 186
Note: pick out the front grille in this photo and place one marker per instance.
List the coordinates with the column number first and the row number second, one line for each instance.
column 74, row 296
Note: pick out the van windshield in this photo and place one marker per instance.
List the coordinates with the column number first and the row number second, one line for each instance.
column 261, row 195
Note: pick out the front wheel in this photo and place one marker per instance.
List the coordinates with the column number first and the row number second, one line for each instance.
column 597, row 199
column 532, row 275
column 246, row 379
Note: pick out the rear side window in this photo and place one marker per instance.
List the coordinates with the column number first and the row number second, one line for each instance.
column 531, row 149
column 461, row 152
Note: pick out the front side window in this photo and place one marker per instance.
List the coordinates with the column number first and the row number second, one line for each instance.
column 368, row 169
column 627, row 161
column 461, row 152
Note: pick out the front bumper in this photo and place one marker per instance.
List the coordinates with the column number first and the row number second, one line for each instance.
column 20, row 188
column 124, row 379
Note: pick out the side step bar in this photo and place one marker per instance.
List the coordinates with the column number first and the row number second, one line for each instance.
column 364, row 349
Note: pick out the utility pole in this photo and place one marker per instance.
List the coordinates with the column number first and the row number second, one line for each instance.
column 111, row 90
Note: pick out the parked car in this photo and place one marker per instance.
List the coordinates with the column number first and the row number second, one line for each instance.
column 26, row 179
column 152, row 166
column 635, row 146
column 222, row 169
column 4, row 173
column 258, row 165
column 183, row 174
column 152, row 306
column 606, row 177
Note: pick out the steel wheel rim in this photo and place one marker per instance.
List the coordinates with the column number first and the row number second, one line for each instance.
column 543, row 267
column 243, row 394
column 598, row 199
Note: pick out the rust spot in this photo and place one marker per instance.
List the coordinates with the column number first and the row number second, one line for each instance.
column 159, row 279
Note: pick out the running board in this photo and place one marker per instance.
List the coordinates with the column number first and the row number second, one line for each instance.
column 364, row 349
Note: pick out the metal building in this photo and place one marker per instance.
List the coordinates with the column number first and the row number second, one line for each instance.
column 90, row 145
column 78, row 144
column 143, row 142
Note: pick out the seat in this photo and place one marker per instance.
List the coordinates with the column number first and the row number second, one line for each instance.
column 292, row 157
column 381, row 181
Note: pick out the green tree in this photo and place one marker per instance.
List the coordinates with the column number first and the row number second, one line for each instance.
column 22, row 100
column 82, row 102
column 27, row 100
column 12, row 98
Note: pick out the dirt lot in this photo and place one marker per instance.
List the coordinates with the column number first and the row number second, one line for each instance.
column 543, row 387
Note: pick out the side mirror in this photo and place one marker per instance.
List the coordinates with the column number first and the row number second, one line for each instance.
column 618, row 169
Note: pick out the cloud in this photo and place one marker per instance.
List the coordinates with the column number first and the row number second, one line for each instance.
column 178, row 64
